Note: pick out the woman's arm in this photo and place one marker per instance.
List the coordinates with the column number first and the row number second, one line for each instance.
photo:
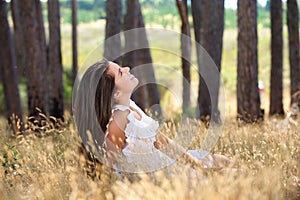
column 176, row 151
column 170, row 148
column 115, row 137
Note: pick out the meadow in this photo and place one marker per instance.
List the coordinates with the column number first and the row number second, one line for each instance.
column 48, row 163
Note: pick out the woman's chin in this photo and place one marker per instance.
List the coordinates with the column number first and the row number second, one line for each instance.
column 137, row 81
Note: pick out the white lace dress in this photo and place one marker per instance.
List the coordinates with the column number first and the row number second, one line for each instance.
column 139, row 153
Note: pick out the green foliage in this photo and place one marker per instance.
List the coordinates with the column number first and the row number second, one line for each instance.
column 87, row 11
column 189, row 112
column 67, row 79
column 10, row 163
column 83, row 16
column 263, row 17
column 230, row 21
column 162, row 12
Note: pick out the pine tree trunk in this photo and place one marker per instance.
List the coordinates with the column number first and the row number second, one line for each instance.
column 34, row 63
column 207, row 41
column 186, row 46
column 130, row 58
column 8, row 72
column 41, row 37
column 276, row 105
column 218, row 48
column 293, row 30
column 208, row 19
column 43, row 51
column 145, row 60
column 219, row 31
column 196, row 13
column 55, row 96
column 197, row 18
column 74, row 40
column 112, row 50
column 18, row 38
column 247, row 84
column 146, row 95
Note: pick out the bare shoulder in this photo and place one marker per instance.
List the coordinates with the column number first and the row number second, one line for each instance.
column 116, row 128
column 120, row 118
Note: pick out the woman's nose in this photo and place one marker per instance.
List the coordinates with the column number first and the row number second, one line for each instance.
column 126, row 69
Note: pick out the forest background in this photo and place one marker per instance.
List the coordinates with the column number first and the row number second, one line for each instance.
column 164, row 14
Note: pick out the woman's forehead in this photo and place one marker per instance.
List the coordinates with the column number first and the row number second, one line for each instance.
column 113, row 68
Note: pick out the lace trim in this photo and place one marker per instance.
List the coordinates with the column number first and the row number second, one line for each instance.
column 133, row 129
column 144, row 161
column 141, row 129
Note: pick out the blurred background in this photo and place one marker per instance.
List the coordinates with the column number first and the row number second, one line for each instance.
column 90, row 23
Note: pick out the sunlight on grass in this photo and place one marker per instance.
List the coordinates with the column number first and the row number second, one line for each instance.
column 52, row 167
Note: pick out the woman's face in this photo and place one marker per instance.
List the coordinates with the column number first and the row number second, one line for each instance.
column 124, row 80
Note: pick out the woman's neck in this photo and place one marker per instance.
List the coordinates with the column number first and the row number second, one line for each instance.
column 123, row 100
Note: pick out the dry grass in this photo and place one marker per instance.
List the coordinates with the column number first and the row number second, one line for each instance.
column 51, row 167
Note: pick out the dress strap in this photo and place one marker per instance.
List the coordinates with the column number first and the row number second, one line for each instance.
column 120, row 107
column 123, row 108
column 130, row 117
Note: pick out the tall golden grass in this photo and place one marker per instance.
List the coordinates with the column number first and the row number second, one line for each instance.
column 52, row 166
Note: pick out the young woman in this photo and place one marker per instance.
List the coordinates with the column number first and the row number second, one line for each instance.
column 128, row 139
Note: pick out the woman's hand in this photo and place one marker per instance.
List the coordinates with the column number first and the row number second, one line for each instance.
column 161, row 141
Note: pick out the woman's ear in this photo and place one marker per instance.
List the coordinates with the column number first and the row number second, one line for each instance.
column 117, row 94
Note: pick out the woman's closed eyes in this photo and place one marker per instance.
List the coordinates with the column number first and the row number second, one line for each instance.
column 120, row 72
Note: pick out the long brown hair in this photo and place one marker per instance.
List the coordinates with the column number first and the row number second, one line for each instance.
column 92, row 104
column 103, row 99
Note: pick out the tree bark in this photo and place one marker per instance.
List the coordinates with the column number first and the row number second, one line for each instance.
column 112, row 49
column 74, row 40
column 197, row 18
column 219, row 49
column 18, row 38
column 276, row 105
column 208, row 17
column 131, row 45
column 216, row 50
column 196, row 13
column 186, row 46
column 219, row 32
column 34, row 61
column 207, row 35
column 146, row 96
column 8, row 73
column 145, row 60
column 293, row 32
column 55, row 96
column 41, row 36
column 247, row 84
